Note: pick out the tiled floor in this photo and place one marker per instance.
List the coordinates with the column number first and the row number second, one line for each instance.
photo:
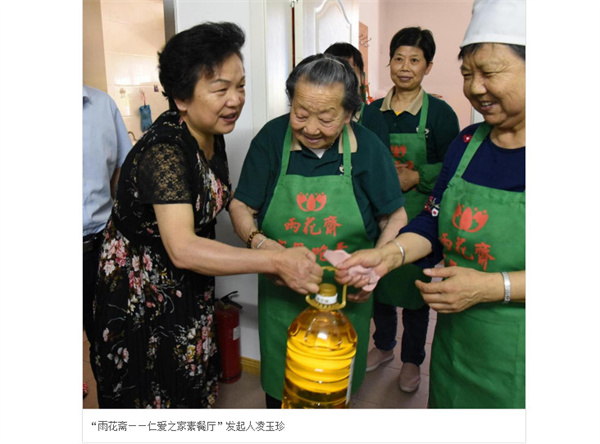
column 379, row 389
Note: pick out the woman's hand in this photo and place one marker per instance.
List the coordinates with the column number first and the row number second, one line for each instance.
column 461, row 288
column 371, row 258
column 408, row 178
column 361, row 296
column 270, row 244
column 298, row 268
column 383, row 259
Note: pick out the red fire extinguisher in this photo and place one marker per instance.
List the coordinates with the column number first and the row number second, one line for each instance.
column 228, row 331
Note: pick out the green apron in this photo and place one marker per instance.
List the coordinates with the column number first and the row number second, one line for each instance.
column 398, row 287
column 358, row 117
column 478, row 355
column 320, row 213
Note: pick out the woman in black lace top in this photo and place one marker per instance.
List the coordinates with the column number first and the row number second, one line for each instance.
column 155, row 339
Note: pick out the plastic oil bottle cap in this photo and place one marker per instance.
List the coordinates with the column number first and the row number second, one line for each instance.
column 327, row 294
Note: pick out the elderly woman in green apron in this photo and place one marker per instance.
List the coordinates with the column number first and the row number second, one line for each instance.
column 475, row 218
column 421, row 127
column 314, row 178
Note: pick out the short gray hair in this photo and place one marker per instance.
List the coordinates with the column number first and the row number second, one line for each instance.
column 325, row 69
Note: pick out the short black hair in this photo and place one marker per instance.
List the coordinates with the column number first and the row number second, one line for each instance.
column 326, row 69
column 348, row 51
column 194, row 52
column 518, row 50
column 414, row 36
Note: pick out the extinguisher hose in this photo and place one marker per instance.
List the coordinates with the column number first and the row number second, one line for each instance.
column 226, row 300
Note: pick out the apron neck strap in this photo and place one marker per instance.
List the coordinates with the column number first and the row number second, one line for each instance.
column 424, row 112
column 346, row 147
column 480, row 134
column 360, row 113
column 287, row 148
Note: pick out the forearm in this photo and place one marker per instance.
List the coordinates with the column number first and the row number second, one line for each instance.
column 243, row 221
column 390, row 225
column 206, row 256
column 491, row 287
column 213, row 258
column 517, row 287
column 415, row 247
column 455, row 289
column 296, row 266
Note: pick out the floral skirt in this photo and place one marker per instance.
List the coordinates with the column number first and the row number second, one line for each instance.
column 155, row 343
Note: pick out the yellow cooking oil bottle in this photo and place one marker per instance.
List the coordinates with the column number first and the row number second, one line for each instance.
column 321, row 347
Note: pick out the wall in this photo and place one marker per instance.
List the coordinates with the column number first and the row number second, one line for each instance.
column 94, row 65
column 368, row 13
column 275, row 57
column 131, row 35
column 448, row 21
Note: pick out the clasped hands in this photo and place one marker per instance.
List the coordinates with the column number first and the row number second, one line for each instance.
column 302, row 276
column 459, row 289
column 408, row 178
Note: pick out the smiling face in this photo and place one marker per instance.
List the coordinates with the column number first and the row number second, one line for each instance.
column 317, row 116
column 408, row 67
column 217, row 101
column 494, row 83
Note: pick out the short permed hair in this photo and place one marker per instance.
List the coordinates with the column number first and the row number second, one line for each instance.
column 415, row 36
column 325, row 69
column 195, row 52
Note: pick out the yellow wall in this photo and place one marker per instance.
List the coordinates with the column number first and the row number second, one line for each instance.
column 120, row 44
column 94, row 67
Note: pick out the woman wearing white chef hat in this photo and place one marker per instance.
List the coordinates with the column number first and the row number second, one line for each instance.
column 475, row 220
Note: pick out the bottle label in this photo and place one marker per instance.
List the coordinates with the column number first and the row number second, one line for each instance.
column 236, row 333
column 349, row 391
column 326, row 300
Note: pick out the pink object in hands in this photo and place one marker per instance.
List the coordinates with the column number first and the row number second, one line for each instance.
column 335, row 257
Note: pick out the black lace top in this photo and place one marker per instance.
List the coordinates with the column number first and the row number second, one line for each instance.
column 167, row 166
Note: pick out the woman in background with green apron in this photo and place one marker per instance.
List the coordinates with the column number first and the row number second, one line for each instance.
column 421, row 127
column 475, row 219
column 313, row 178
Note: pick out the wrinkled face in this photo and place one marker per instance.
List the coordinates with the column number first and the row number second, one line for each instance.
column 494, row 83
column 408, row 67
column 317, row 116
column 217, row 101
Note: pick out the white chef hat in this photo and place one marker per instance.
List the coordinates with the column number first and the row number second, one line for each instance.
column 496, row 21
